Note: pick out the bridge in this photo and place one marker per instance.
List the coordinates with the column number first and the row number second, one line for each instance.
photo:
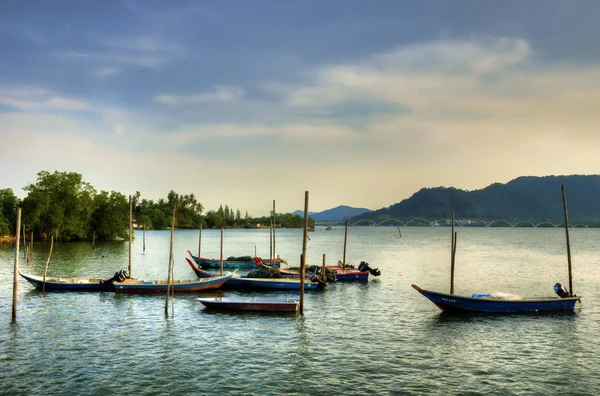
column 462, row 222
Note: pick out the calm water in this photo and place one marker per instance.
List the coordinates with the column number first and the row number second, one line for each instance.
column 382, row 337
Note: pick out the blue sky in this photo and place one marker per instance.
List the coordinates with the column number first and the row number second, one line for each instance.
column 241, row 102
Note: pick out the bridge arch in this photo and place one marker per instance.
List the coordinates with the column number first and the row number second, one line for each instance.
column 363, row 221
column 524, row 222
column 418, row 219
column 500, row 221
column 391, row 220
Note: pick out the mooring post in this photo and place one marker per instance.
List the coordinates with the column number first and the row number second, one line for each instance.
column 271, row 241
column 130, row 234
column 169, row 275
column 345, row 240
column 47, row 262
column 222, row 237
column 564, row 195
column 452, row 250
column 303, row 257
column 323, row 275
column 274, row 221
column 199, row 243
column 16, row 268
column 144, row 242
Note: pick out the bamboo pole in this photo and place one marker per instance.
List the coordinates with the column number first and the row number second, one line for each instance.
column 303, row 257
column 16, row 268
column 345, row 239
column 452, row 250
column 169, row 278
column 323, row 274
column 564, row 196
column 271, row 242
column 274, row 221
column 130, row 235
column 222, row 237
column 199, row 243
column 47, row 262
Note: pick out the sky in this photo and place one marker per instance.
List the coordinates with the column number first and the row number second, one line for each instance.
column 361, row 103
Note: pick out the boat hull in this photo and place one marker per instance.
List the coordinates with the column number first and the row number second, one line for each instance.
column 179, row 286
column 69, row 284
column 251, row 304
column 463, row 304
column 269, row 284
column 231, row 264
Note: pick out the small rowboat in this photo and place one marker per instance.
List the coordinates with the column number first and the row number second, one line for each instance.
column 180, row 286
column 490, row 304
column 260, row 304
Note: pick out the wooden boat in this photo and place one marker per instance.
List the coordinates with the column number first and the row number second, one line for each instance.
column 231, row 264
column 244, row 282
column 259, row 304
column 180, row 286
column 75, row 284
column 491, row 304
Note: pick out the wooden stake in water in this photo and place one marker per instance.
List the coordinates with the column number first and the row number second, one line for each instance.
column 271, row 242
column 345, row 239
column 303, row 257
column 274, row 221
column 199, row 243
column 169, row 278
column 144, row 243
column 564, row 195
column 452, row 250
column 16, row 268
column 47, row 262
column 323, row 274
column 222, row 237
column 130, row 234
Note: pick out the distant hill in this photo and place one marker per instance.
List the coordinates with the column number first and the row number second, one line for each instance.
column 524, row 198
column 341, row 212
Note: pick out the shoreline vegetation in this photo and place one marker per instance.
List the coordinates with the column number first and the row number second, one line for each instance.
column 64, row 205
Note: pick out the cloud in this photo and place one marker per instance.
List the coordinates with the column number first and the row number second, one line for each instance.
column 35, row 99
column 222, row 93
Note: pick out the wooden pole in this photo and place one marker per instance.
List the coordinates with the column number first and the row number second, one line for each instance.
column 144, row 238
column 130, row 235
column 323, row 275
column 303, row 257
column 274, row 221
column 345, row 239
column 564, row 195
column 452, row 249
column 199, row 243
column 169, row 278
column 222, row 237
column 271, row 243
column 16, row 268
column 47, row 262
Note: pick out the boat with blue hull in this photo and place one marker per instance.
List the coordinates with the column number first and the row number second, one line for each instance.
column 74, row 284
column 238, row 282
column 179, row 286
column 488, row 303
column 230, row 264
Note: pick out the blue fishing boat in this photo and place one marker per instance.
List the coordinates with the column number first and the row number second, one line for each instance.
column 75, row 284
column 244, row 282
column 232, row 263
column 488, row 303
column 180, row 286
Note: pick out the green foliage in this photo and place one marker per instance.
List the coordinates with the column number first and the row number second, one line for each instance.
column 110, row 217
column 8, row 211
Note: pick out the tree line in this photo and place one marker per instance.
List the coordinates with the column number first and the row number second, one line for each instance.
column 64, row 205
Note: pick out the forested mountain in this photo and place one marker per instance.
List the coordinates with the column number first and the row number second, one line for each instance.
column 524, row 198
column 341, row 212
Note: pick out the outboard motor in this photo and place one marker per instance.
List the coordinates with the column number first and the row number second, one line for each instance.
column 119, row 276
column 562, row 291
column 364, row 267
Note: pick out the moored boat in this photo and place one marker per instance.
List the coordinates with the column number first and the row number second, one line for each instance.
column 488, row 303
column 180, row 286
column 257, row 304
column 75, row 284
column 232, row 262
